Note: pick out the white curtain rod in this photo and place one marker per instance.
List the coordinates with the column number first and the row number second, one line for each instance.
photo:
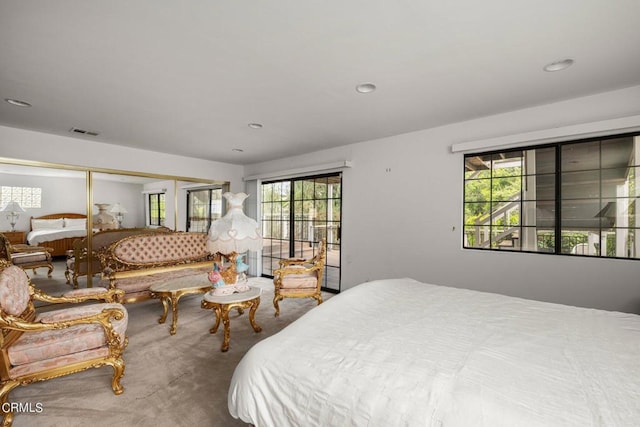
column 559, row 134
column 327, row 167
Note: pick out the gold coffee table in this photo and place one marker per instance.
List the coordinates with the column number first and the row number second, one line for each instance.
column 222, row 304
column 172, row 290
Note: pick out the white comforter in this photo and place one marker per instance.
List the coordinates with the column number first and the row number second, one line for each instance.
column 37, row 237
column 404, row 353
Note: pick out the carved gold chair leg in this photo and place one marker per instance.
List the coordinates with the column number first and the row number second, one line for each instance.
column 5, row 389
column 118, row 372
column 275, row 304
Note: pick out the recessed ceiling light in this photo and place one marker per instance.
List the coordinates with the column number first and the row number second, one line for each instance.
column 17, row 102
column 255, row 125
column 559, row 65
column 366, row 88
column 238, row 150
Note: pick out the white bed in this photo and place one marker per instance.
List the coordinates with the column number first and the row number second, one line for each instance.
column 404, row 353
column 57, row 231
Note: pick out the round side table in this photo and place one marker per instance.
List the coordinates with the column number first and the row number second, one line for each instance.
column 222, row 304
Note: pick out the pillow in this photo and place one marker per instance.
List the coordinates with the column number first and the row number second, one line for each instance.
column 75, row 222
column 46, row 224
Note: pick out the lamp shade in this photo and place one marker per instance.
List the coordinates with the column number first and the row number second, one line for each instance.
column 118, row 208
column 234, row 232
column 13, row 207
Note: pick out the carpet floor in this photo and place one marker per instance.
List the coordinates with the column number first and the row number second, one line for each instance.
column 170, row 380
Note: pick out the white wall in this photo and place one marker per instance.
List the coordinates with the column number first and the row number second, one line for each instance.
column 58, row 195
column 402, row 212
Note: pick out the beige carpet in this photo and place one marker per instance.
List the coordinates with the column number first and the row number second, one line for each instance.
column 179, row 380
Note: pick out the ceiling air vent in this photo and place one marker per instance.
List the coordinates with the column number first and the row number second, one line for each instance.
column 83, row 132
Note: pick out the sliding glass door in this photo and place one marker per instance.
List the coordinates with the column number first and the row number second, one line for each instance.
column 203, row 207
column 296, row 215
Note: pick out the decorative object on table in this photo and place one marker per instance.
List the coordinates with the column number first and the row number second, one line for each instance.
column 233, row 234
column 104, row 220
column 13, row 210
column 218, row 282
column 119, row 212
column 241, row 267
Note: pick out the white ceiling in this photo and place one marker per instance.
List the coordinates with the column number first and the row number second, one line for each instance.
column 187, row 77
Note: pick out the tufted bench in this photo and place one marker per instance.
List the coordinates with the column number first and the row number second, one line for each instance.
column 135, row 263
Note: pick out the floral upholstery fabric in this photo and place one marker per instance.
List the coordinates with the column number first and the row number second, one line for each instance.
column 14, row 290
column 302, row 280
column 29, row 257
column 39, row 346
column 142, row 283
column 57, row 362
column 84, row 292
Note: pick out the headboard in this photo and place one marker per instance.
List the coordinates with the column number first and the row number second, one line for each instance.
column 60, row 245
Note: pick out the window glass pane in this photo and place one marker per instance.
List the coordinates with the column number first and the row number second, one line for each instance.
column 580, row 185
column 581, row 242
column 540, row 213
column 506, row 214
column 476, row 213
column 580, row 213
column 580, row 156
column 475, row 236
column 267, row 191
column 616, row 152
column 477, row 190
column 617, row 213
column 505, row 238
column 539, row 187
column 335, row 210
column 297, row 190
column 545, row 161
column 321, row 188
column 477, row 167
column 615, row 182
column 546, row 240
column 505, row 189
column 507, row 164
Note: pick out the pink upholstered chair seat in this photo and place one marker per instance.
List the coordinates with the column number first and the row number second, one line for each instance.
column 42, row 345
column 302, row 280
column 28, row 257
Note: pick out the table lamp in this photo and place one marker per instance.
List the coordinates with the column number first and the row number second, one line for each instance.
column 233, row 234
column 119, row 212
column 13, row 210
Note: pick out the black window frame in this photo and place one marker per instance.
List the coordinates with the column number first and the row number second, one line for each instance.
column 633, row 229
column 161, row 204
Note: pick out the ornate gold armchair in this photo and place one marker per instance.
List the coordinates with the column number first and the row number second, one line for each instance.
column 25, row 256
column 41, row 346
column 300, row 278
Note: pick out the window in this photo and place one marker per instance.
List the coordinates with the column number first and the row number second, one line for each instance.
column 156, row 209
column 575, row 198
column 298, row 213
column 27, row 197
column 203, row 206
